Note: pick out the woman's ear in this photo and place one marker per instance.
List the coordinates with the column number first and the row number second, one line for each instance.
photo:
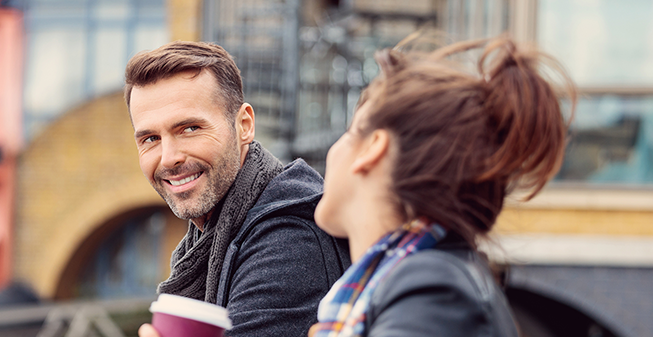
column 245, row 126
column 373, row 150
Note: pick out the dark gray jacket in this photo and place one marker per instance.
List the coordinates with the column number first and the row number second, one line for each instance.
column 445, row 291
column 280, row 264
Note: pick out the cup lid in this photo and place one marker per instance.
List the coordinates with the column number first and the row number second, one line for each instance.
column 192, row 309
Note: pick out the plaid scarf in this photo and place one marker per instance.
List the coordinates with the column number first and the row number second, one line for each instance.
column 343, row 310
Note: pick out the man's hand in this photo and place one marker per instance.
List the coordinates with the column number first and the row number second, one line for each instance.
column 147, row 330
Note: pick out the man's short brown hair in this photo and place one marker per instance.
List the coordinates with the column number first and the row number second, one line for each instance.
column 148, row 67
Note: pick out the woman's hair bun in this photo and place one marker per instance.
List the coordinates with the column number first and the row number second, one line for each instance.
column 524, row 109
column 465, row 136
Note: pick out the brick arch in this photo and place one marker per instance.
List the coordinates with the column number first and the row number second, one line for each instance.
column 84, row 253
column 75, row 176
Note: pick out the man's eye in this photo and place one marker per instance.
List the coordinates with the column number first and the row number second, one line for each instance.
column 191, row 128
column 150, row 139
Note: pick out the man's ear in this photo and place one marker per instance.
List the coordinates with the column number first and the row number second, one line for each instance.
column 245, row 126
column 373, row 150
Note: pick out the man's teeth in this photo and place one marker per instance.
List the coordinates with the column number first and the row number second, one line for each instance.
column 185, row 180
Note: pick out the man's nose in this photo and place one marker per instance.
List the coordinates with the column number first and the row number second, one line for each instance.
column 172, row 153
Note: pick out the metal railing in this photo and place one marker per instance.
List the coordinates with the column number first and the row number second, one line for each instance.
column 304, row 81
column 72, row 319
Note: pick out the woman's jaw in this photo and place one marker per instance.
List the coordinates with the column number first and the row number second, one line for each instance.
column 358, row 203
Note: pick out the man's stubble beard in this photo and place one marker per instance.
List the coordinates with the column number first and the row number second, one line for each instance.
column 218, row 181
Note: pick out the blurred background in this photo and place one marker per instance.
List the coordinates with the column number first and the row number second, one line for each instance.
column 84, row 239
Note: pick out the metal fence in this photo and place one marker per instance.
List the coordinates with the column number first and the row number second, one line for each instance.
column 304, row 80
column 263, row 38
column 108, row 318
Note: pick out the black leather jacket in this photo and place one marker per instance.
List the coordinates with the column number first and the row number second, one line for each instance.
column 446, row 291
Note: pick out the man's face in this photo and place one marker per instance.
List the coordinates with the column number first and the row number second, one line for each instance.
column 187, row 149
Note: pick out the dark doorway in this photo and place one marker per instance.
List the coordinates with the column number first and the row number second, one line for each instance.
column 125, row 257
column 541, row 316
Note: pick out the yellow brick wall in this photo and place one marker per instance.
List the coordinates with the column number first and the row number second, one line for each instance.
column 81, row 171
column 185, row 19
column 515, row 220
column 580, row 210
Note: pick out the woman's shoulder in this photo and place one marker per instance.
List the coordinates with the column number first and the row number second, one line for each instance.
column 440, row 291
column 459, row 270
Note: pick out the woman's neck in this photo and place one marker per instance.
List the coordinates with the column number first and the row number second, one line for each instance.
column 369, row 221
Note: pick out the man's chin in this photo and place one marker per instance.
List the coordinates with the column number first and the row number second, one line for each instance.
column 184, row 209
column 186, row 214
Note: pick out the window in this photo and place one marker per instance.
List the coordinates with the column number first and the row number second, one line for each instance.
column 607, row 47
column 78, row 50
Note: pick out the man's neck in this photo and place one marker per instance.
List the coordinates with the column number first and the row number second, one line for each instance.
column 201, row 221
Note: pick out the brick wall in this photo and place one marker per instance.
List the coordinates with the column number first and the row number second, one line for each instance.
column 80, row 172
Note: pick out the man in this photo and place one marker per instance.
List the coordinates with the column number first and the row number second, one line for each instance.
column 252, row 245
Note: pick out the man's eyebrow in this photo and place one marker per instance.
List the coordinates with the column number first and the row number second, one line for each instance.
column 189, row 121
column 142, row 133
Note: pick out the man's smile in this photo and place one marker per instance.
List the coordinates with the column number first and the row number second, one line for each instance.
column 184, row 180
column 183, row 184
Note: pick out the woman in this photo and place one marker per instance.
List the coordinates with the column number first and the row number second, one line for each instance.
column 421, row 174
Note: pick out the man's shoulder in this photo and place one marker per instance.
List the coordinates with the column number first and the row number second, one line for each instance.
column 296, row 181
column 285, row 212
column 297, row 189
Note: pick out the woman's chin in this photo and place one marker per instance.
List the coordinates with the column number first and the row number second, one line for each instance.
column 324, row 220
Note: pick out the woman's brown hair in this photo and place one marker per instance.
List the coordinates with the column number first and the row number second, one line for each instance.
column 465, row 140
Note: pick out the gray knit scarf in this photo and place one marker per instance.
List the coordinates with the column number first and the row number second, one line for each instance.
column 196, row 263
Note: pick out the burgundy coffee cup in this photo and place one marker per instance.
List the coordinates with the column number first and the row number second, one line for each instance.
column 177, row 316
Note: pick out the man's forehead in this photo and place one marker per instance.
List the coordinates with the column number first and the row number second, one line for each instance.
column 172, row 102
column 187, row 80
column 190, row 76
column 190, row 81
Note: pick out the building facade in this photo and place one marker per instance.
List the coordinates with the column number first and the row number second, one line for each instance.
column 576, row 259
column 87, row 223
